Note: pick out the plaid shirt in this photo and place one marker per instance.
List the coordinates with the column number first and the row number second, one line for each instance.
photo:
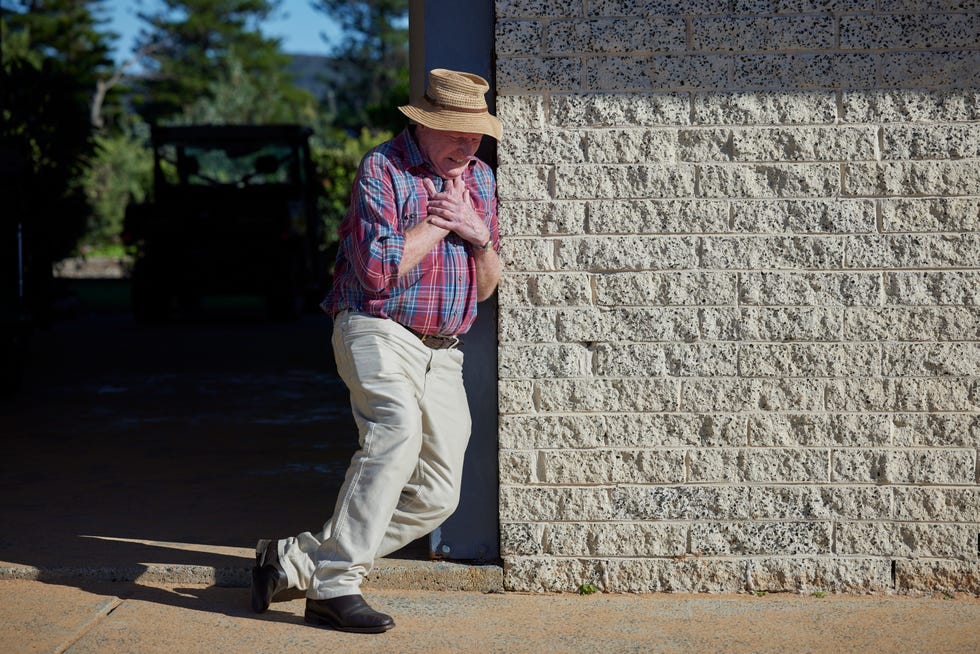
column 438, row 296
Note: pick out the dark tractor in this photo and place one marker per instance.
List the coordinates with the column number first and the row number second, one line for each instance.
column 233, row 213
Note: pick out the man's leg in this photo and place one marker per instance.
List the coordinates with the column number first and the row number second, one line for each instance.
column 432, row 494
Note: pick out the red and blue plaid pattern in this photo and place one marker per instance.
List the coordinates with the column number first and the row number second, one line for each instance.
column 439, row 295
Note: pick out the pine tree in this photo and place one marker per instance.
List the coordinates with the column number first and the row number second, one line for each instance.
column 53, row 53
column 196, row 42
column 375, row 51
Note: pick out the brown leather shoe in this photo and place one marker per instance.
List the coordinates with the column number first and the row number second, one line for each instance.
column 268, row 577
column 347, row 613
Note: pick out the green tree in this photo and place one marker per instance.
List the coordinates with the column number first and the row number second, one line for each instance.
column 375, row 51
column 53, row 53
column 191, row 43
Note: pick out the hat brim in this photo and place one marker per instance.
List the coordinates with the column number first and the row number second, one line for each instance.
column 454, row 121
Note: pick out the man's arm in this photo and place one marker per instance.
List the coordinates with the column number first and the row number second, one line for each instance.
column 487, row 272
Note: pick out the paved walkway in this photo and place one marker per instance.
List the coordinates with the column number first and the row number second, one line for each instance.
column 126, row 618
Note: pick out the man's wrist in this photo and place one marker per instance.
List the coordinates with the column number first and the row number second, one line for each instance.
column 486, row 246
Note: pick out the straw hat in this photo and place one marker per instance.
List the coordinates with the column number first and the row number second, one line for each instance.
column 454, row 101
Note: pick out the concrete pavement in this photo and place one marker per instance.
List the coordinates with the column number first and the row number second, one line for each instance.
column 190, row 618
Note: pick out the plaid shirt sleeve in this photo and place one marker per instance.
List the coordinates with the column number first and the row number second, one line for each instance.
column 377, row 243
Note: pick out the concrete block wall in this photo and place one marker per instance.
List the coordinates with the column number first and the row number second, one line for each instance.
column 739, row 330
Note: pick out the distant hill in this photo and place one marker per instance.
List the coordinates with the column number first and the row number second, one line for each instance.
column 321, row 75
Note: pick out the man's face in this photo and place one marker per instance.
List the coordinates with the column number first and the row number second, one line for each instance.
column 448, row 152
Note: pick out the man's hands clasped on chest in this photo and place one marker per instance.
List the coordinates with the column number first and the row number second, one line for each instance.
column 452, row 210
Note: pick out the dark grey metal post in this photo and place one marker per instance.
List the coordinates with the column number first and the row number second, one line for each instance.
column 459, row 35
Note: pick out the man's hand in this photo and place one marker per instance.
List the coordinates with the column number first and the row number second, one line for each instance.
column 451, row 209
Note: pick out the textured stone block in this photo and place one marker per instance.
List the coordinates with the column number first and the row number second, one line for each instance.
column 830, row 289
column 930, row 215
column 524, row 182
column 935, row 394
column 759, row 465
column 910, row 105
column 941, row 141
column 541, row 503
column 517, row 467
column 541, row 147
column 687, row 288
column 618, row 182
column 614, row 539
column 768, row 180
column 674, row 430
column 573, row 431
column 521, row 112
column 912, row 250
column 806, row 575
column 820, row 430
column 936, row 430
column 517, row 75
column 546, row 289
column 911, row 178
column 544, row 8
column 521, row 539
column 666, row 360
column 765, row 108
column 804, row 216
column 938, row 467
column 805, row 71
column 569, row 395
column 541, row 218
column 610, row 467
column 687, row 502
column 931, row 359
column 641, row 324
column 804, row 144
column 908, row 31
column 515, row 396
column 934, row 540
column 937, row 576
column 809, row 502
column 763, row 33
column 620, row 110
column 753, row 252
column 736, row 395
column 808, row 360
column 618, row 253
column 771, row 324
column 619, row 146
column 953, row 288
column 931, row 504
column 528, row 254
column 657, row 216
column 659, row 72
column 650, row 7
column 753, row 538
column 518, row 37
column 542, row 361
column 551, row 575
column 527, row 325
column 942, row 68
column 619, row 35
column 675, row 576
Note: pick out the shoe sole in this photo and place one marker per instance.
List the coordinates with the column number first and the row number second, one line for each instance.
column 321, row 621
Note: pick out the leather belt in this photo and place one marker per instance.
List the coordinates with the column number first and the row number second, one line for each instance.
column 437, row 341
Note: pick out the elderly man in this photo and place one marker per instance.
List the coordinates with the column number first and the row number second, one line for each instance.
column 418, row 250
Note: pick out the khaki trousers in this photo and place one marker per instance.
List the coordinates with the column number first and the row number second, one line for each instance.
column 413, row 423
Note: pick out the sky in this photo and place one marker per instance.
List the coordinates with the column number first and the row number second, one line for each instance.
column 295, row 22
